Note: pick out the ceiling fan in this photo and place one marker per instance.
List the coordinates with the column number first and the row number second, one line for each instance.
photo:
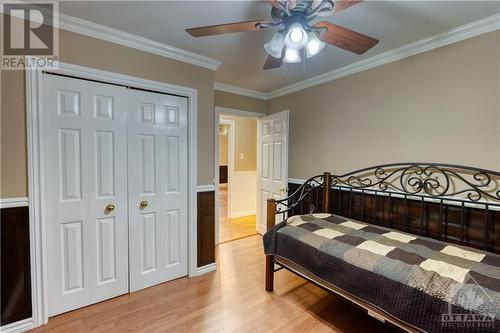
column 298, row 37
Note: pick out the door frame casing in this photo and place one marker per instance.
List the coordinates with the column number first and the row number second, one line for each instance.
column 230, row 162
column 36, row 186
column 219, row 110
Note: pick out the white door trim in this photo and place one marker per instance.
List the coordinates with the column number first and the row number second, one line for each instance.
column 230, row 171
column 219, row 110
column 34, row 101
column 230, row 161
column 236, row 112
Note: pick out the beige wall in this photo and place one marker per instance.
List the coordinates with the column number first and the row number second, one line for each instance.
column 86, row 51
column 441, row 106
column 13, row 164
column 239, row 102
column 245, row 142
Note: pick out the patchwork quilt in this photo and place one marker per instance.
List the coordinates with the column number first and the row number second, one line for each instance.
column 432, row 285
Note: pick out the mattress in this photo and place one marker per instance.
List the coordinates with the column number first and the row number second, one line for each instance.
column 429, row 284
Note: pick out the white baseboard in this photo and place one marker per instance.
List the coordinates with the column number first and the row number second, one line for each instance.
column 243, row 214
column 261, row 229
column 18, row 326
column 206, row 269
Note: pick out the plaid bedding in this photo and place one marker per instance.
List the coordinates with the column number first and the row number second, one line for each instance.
column 434, row 286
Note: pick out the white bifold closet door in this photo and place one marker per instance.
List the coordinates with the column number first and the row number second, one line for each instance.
column 157, row 188
column 115, row 190
column 85, row 199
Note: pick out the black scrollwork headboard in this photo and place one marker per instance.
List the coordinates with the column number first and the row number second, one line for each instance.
column 454, row 203
column 426, row 179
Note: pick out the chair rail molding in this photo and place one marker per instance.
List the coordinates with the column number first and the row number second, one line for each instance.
column 13, row 202
column 205, row 188
column 34, row 101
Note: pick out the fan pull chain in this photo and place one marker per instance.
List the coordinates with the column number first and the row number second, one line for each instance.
column 303, row 61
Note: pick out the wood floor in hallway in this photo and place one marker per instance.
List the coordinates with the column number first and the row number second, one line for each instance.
column 232, row 299
column 231, row 229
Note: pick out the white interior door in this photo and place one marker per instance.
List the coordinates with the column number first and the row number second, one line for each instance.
column 157, row 188
column 84, row 151
column 272, row 162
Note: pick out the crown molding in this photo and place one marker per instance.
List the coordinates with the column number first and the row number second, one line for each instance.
column 87, row 28
column 241, row 91
column 102, row 32
column 470, row 30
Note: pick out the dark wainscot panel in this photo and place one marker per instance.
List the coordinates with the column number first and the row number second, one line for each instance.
column 206, row 228
column 222, row 174
column 15, row 301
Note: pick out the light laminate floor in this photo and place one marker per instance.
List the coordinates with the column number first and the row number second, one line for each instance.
column 231, row 229
column 232, row 299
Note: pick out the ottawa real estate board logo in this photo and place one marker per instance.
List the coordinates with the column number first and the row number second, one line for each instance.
column 30, row 35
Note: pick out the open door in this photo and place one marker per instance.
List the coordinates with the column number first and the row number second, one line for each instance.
column 272, row 162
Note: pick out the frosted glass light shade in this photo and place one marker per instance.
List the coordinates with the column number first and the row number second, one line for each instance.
column 296, row 37
column 292, row 56
column 314, row 45
column 275, row 46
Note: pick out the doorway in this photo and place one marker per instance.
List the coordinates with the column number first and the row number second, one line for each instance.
column 237, row 177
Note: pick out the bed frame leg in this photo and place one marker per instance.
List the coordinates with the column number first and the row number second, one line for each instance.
column 269, row 273
column 270, row 222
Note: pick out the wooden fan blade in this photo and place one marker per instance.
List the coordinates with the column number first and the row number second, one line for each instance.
column 218, row 29
column 272, row 62
column 344, row 4
column 346, row 39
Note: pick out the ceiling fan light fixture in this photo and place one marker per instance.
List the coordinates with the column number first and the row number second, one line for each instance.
column 275, row 46
column 292, row 56
column 296, row 37
column 314, row 45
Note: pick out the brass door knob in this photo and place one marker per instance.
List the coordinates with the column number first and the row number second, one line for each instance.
column 110, row 208
column 143, row 204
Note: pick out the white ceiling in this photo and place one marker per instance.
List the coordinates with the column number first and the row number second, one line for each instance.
column 394, row 23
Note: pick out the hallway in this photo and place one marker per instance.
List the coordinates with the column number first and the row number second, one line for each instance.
column 232, row 229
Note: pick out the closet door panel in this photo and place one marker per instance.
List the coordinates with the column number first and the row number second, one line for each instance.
column 84, row 154
column 157, row 187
